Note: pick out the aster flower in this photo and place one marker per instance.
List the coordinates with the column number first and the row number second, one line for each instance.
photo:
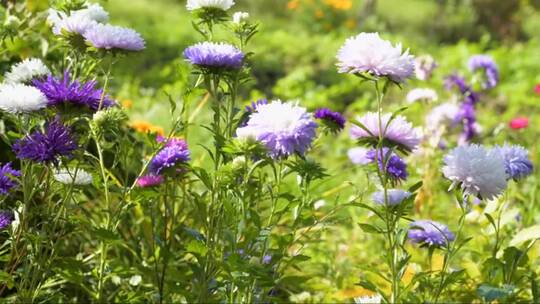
column 398, row 131
column 424, row 66
column 93, row 11
column 368, row 53
column 255, row 105
column 20, row 98
column 480, row 172
column 430, row 233
column 212, row 4
column 519, row 123
column 488, row 65
column 395, row 197
column 6, row 218
column 46, row 147
column 359, row 156
column 445, row 114
column 73, row 25
column 26, row 70
column 373, row 299
column 148, row 181
column 396, row 168
column 469, row 95
column 79, row 21
column 112, row 37
column 8, row 179
column 467, row 115
column 334, row 121
column 240, row 17
column 516, row 161
column 66, row 91
column 78, row 177
column 284, row 128
column 173, row 141
column 422, row 94
column 171, row 156
column 212, row 55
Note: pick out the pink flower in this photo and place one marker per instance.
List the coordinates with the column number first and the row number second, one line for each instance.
column 537, row 89
column 519, row 123
column 149, row 181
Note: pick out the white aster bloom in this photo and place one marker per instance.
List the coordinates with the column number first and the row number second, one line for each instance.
column 93, row 11
column 26, row 70
column 374, row 299
column 20, row 98
column 219, row 4
column 442, row 115
column 479, row 171
column 77, row 177
column 422, row 94
column 74, row 24
column 368, row 53
column 79, row 21
column 240, row 17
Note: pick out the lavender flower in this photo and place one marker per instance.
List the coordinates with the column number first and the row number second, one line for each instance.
column 488, row 65
column 334, row 121
column 396, row 168
column 255, row 105
column 430, row 233
column 516, row 161
column 467, row 115
column 111, row 37
column 284, row 128
column 8, row 179
column 395, row 197
column 65, row 91
column 149, row 181
column 211, row 55
column 424, row 66
column 48, row 146
column 171, row 156
column 6, row 218
column 469, row 95
column 359, row 156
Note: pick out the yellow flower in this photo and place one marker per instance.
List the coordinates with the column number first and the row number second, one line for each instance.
column 293, row 4
column 147, row 127
column 127, row 103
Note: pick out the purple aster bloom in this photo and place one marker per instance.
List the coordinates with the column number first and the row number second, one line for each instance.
column 111, row 37
column 65, row 91
column 284, row 128
column 488, row 65
column 173, row 141
column 211, row 55
column 396, row 168
column 171, row 156
column 267, row 259
column 149, row 181
column 46, row 147
column 255, row 105
column 333, row 120
column 359, row 156
column 516, row 161
column 395, row 197
column 6, row 218
column 469, row 95
column 467, row 115
column 8, row 178
column 430, row 233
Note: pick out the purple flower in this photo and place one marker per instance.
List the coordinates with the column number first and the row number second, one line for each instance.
column 430, row 233
column 467, row 115
column 8, row 178
column 64, row 91
column 211, row 55
column 516, row 161
column 469, row 95
column 111, row 37
column 488, row 65
column 255, row 105
column 394, row 197
column 333, row 120
column 149, row 181
column 171, row 156
column 359, row 156
column 6, row 218
column 396, row 168
column 173, row 141
column 48, row 146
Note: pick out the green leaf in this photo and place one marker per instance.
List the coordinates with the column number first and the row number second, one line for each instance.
column 527, row 234
column 370, row 228
column 6, row 279
column 197, row 247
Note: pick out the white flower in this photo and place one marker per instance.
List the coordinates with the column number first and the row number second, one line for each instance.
column 479, row 171
column 78, row 21
column 367, row 52
column 374, row 299
column 77, row 177
column 424, row 66
column 93, row 11
column 423, row 94
column 74, row 24
column 441, row 115
column 198, row 4
column 26, row 70
column 239, row 17
column 20, row 98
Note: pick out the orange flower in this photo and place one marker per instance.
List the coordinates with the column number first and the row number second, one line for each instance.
column 293, row 4
column 127, row 103
column 147, row 127
column 340, row 4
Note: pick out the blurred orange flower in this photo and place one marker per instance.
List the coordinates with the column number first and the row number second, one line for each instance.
column 127, row 103
column 339, row 4
column 147, row 127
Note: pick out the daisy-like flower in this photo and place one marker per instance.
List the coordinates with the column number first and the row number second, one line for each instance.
column 79, row 21
column 66, row 91
column 488, row 65
column 424, row 66
column 422, row 94
column 8, row 178
column 216, row 4
column 240, row 17
column 20, row 98
column 398, row 132
column 74, row 24
column 396, row 168
column 170, row 157
column 284, row 128
column 26, row 70
column 78, row 177
column 6, row 218
column 212, row 55
column 395, row 197
column 334, row 121
column 430, row 233
column 479, row 171
column 359, row 156
column 112, row 37
column 373, row 299
column 46, row 147
column 516, row 161
column 368, row 53
column 149, row 181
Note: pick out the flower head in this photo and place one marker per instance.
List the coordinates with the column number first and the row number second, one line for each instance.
column 73, row 25
column 79, row 21
column 395, row 197
column 146, row 127
column 240, row 17
column 217, row 4
column 171, row 156
column 66, row 91
column 48, row 146
column 334, row 121
column 373, row 299
column 430, row 233
column 519, row 123
column 284, row 128
column 6, row 218
column 26, row 70
column 422, row 94
column 368, row 53
column 488, row 65
column 93, row 11
column 445, row 114
column 359, row 156
column 396, row 168
column 112, row 37
column 255, row 105
column 424, row 66
column 212, row 55
column 398, row 131
column 8, row 178
column 479, row 171
column 516, row 161
column 20, row 98
column 77, row 177
column 149, row 181
column 469, row 95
